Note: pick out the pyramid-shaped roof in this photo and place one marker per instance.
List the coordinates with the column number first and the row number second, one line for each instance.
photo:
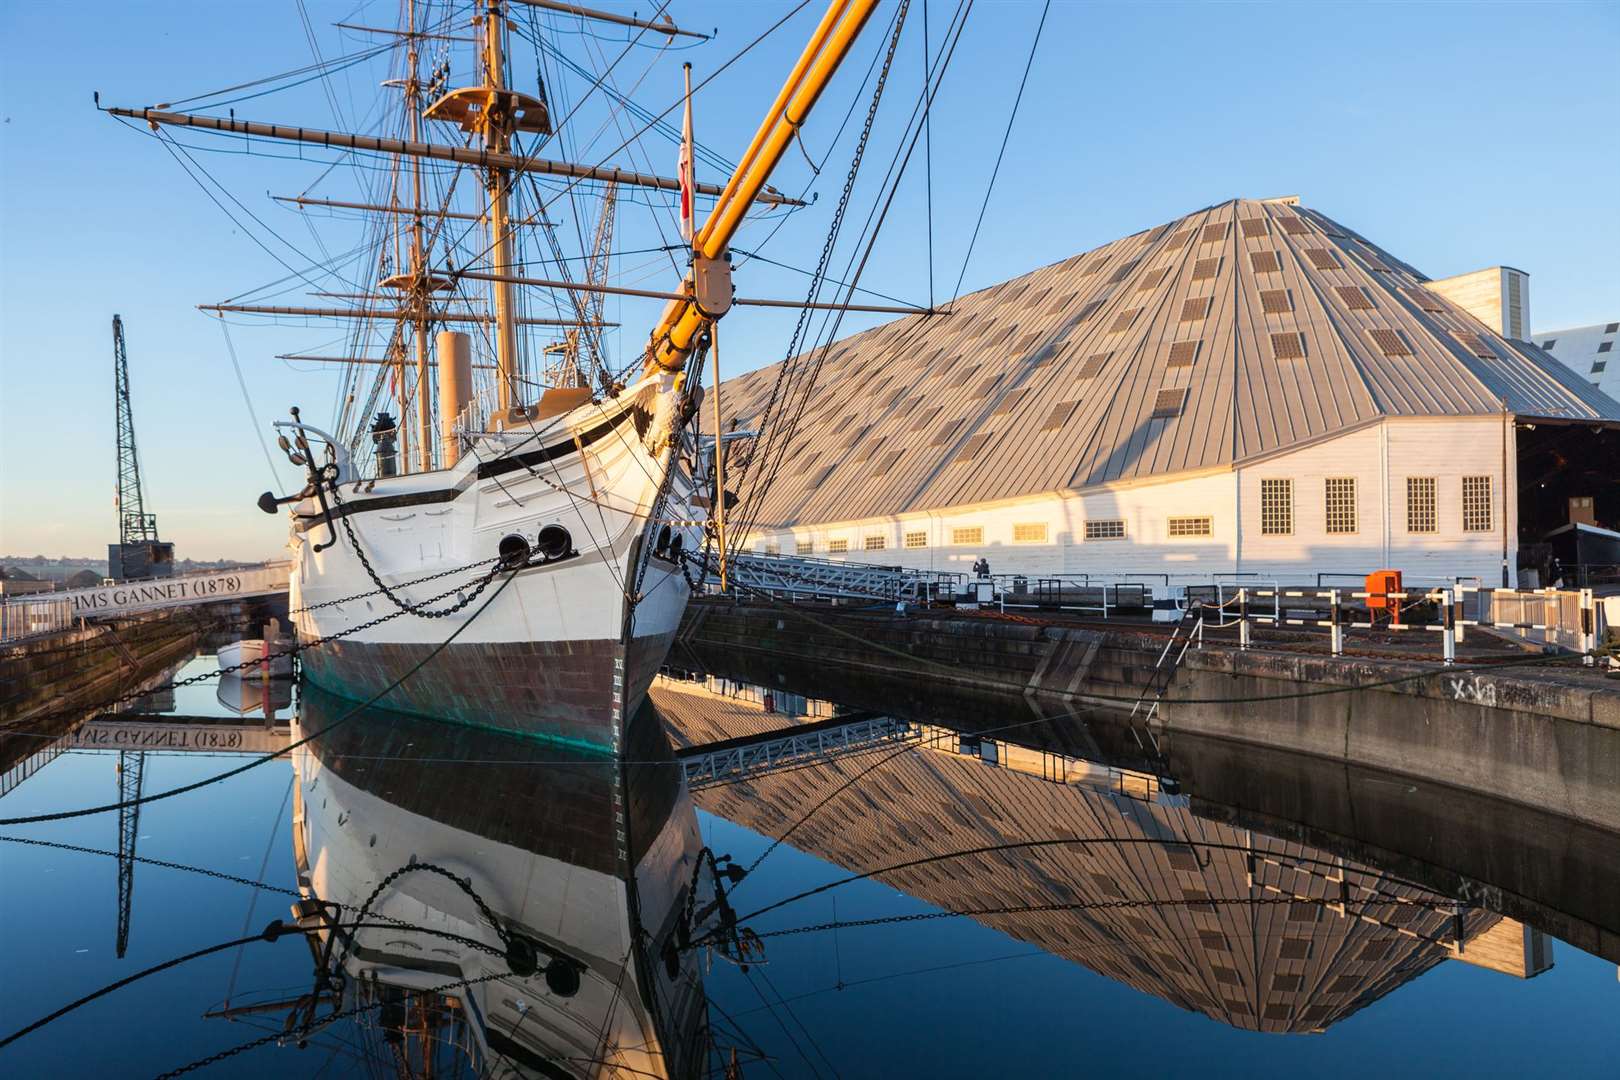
column 1230, row 334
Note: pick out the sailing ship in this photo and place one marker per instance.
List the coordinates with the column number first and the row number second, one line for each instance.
column 500, row 920
column 572, row 482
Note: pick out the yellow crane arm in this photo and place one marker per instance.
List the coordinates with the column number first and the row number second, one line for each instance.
column 676, row 333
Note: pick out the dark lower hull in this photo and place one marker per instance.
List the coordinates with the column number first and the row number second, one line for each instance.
column 565, row 691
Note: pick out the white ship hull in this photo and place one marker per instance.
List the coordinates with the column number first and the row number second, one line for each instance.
column 557, row 651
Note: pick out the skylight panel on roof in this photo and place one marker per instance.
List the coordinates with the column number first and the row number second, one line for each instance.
column 1323, row 258
column 1179, row 240
column 1168, row 403
column 1375, row 263
column 1425, row 299
column 1288, row 346
column 1089, row 310
column 973, row 446
column 1095, row 266
column 1354, row 297
column 1213, row 232
column 1264, row 262
column 1153, row 234
column 1059, row 416
column 964, row 374
column 1029, row 339
column 1195, row 308
column 987, row 385
column 1293, row 225
column 1152, row 278
column 1047, row 354
column 1474, row 344
column 868, row 450
column 1254, row 226
column 1392, row 342
column 1183, row 353
column 926, row 418
column 1123, row 320
column 1124, row 272
column 1094, row 365
column 1010, row 402
column 1204, row 269
column 946, row 432
column 1276, row 301
column 888, row 462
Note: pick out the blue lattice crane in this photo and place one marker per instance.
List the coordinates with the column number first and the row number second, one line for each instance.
column 139, row 553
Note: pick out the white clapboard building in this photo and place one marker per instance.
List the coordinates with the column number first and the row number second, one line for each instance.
column 1588, row 351
column 1250, row 389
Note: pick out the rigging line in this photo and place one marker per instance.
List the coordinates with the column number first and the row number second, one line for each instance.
column 928, row 155
column 272, row 756
column 1006, row 135
column 794, row 1016
column 748, row 977
column 253, row 897
column 762, row 482
column 362, row 55
column 171, row 145
column 247, row 399
column 576, row 181
column 751, row 255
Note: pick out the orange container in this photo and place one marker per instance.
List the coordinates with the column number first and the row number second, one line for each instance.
column 1380, row 583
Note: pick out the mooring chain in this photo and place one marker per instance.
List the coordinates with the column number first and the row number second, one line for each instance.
column 406, row 606
column 294, row 649
column 464, row 884
column 404, row 584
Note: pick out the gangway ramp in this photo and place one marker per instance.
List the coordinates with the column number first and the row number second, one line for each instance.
column 827, row 579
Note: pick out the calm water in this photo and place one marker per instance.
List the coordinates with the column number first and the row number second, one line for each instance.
column 1208, row 912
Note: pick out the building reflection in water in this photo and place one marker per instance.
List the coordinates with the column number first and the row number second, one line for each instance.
column 1256, row 932
column 586, row 860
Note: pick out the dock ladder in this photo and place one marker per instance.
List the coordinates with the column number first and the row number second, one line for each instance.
column 1182, row 636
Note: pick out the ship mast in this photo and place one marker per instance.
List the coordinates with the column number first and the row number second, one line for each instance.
column 497, row 133
column 419, row 275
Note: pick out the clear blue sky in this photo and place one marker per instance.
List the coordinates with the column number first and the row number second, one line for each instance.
column 1456, row 135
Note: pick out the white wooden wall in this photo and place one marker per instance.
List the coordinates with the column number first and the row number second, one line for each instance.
column 1380, row 458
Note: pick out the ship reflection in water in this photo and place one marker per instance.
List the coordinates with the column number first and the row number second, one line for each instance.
column 479, row 903
column 527, row 894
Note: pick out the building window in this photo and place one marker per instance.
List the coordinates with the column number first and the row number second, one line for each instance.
column 837, row 547
column 972, row 535
column 806, row 546
column 1340, row 492
column 1105, row 529
column 1276, row 507
column 1598, row 366
column 1611, row 328
column 1420, row 513
column 916, row 539
column 1029, row 532
column 1549, row 343
column 1476, row 504
column 773, row 549
column 876, row 543
column 1191, row 526
column 1605, row 346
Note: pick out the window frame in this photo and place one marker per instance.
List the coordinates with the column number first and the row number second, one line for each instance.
column 1340, row 518
column 1094, row 529
column 918, row 535
column 1426, row 503
column 875, row 542
column 1181, row 526
column 966, row 535
column 839, row 546
column 1282, row 521
column 1025, row 525
column 1475, row 488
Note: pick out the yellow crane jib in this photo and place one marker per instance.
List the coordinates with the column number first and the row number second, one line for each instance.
column 707, row 288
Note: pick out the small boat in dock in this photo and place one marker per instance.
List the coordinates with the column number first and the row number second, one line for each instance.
column 254, row 651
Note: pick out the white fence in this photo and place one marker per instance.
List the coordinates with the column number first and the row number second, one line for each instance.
column 29, row 616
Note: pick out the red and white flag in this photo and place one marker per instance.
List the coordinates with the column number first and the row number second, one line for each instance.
column 684, row 169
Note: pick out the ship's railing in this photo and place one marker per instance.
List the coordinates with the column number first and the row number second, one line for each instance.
column 30, row 616
column 804, row 577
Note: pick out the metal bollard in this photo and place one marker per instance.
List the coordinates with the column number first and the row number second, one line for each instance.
column 1448, row 620
column 1337, row 625
column 1243, row 618
column 1588, row 629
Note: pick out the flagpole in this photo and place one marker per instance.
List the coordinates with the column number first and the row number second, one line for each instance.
column 688, row 231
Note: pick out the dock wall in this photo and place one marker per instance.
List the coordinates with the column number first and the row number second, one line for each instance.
column 1523, row 734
